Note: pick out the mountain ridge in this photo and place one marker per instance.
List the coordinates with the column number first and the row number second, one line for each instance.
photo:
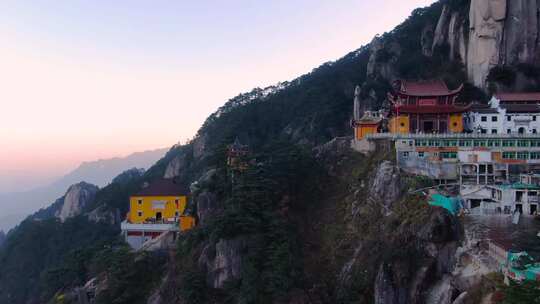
column 310, row 221
column 99, row 172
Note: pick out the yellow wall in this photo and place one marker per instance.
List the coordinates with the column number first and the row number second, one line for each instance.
column 362, row 131
column 456, row 123
column 149, row 212
column 399, row 124
column 186, row 223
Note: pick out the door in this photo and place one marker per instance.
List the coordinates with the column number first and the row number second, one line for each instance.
column 159, row 216
column 534, row 209
column 519, row 208
column 519, row 196
column 443, row 127
column 428, row 126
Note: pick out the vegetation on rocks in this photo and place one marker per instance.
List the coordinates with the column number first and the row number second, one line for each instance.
column 302, row 220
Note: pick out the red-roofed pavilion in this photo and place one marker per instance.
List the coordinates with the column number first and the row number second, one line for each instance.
column 426, row 107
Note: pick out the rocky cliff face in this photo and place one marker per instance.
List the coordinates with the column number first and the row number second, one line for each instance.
column 501, row 32
column 481, row 34
column 175, row 166
column 383, row 56
column 417, row 242
column 103, row 214
column 487, row 27
column 223, row 261
column 76, row 198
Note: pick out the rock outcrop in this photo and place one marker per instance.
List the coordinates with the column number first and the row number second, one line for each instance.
column 174, row 168
column 102, row 214
column 386, row 187
column 223, row 261
column 440, row 37
column 383, row 58
column 385, row 289
column 450, row 34
column 77, row 197
column 521, row 32
column 199, row 146
column 486, row 19
column 208, row 207
column 499, row 33
column 429, row 280
column 166, row 241
column 502, row 32
column 426, row 40
column 128, row 175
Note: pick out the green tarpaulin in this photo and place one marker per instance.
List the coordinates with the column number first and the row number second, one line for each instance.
column 452, row 204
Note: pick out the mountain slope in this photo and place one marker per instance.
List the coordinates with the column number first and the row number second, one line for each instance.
column 16, row 206
column 310, row 221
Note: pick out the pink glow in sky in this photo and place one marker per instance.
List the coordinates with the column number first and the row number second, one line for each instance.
column 82, row 80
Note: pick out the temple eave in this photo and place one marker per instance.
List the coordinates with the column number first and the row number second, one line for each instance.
column 412, row 109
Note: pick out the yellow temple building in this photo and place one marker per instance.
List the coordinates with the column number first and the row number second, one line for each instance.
column 157, row 208
column 425, row 107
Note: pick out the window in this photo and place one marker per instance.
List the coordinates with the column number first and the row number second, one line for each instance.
column 448, row 155
column 177, row 213
column 493, row 131
column 509, row 155
column 405, row 154
column 479, row 143
column 522, row 155
column 176, row 202
column 508, row 118
column 494, row 118
column 452, row 143
column 534, row 117
column 421, row 143
column 523, row 143
column 421, row 154
column 508, row 143
column 535, row 155
column 140, row 202
column 139, row 214
column 483, row 118
column 534, row 130
column 483, row 131
column 465, row 143
column 508, row 131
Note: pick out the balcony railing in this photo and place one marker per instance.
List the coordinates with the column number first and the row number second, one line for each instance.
column 450, row 136
column 149, row 226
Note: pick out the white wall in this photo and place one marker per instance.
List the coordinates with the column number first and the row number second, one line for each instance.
column 517, row 120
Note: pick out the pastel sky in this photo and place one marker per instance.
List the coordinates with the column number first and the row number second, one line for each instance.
column 82, row 80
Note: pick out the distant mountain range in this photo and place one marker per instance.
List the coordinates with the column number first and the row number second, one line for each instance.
column 15, row 206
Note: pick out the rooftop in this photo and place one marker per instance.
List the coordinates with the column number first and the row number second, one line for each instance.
column 436, row 109
column 164, row 187
column 426, row 88
column 515, row 97
column 517, row 186
column 483, row 109
column 521, row 108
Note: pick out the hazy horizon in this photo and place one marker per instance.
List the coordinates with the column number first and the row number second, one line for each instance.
column 91, row 80
column 17, row 181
